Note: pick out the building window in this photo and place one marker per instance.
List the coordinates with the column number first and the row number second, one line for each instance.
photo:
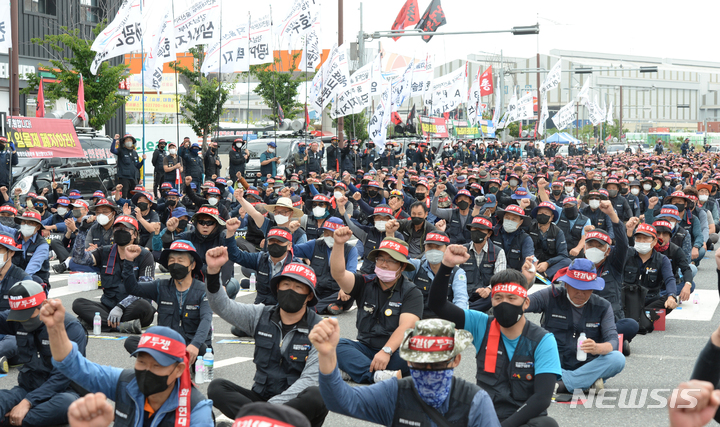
column 90, row 11
column 46, row 7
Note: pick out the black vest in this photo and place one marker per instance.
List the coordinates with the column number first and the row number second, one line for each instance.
column 514, row 380
column 598, row 219
column 513, row 254
column 423, row 282
column 22, row 260
column 113, row 286
column 479, row 276
column 170, row 176
column 574, row 234
column 649, row 276
column 314, row 163
column 126, row 414
column 619, row 205
column 321, row 264
column 264, row 275
column 254, row 235
column 558, row 319
column 186, row 319
column 455, row 229
column 679, row 236
column 372, row 242
column 549, row 250
column 408, row 407
column 311, row 229
column 275, row 370
column 379, row 316
column 612, row 290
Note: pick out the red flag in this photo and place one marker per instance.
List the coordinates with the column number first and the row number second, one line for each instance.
column 407, row 17
column 81, row 100
column 395, row 118
column 486, row 82
column 432, row 19
column 608, row 138
column 446, row 115
column 40, row 110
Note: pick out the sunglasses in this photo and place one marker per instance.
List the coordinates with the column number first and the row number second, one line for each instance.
column 205, row 222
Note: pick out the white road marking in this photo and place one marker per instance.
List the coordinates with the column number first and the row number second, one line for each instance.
column 702, row 312
column 663, row 357
column 231, row 361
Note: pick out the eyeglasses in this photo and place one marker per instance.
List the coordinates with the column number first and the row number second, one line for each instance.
column 205, row 222
column 386, row 261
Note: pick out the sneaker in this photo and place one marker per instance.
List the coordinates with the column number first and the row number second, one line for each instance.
column 84, row 324
column 345, row 376
column 223, row 421
column 334, row 309
column 599, row 384
column 60, row 268
column 131, row 327
column 4, row 367
column 380, row 376
column 626, row 348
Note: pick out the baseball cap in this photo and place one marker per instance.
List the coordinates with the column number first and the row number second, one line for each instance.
column 437, row 237
column 165, row 345
column 300, row 273
column 280, row 233
column 269, row 415
column 433, row 340
column 598, row 235
column 647, row 230
column 24, row 297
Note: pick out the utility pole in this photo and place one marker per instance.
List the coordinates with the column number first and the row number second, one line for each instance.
column 620, row 133
column 340, row 121
column 361, row 41
column 15, row 57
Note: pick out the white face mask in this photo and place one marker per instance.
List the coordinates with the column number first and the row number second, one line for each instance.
column 594, row 204
column 595, row 255
column 510, row 226
column 338, row 194
column 675, row 169
column 64, row 211
column 434, row 256
column 172, row 151
column 238, row 145
column 667, row 183
column 103, row 219
column 672, row 224
column 631, row 178
column 703, row 198
column 282, row 219
column 27, row 230
column 643, row 248
column 571, row 301
column 129, row 144
column 380, row 225
column 271, row 150
column 635, row 191
column 213, row 201
column 647, row 187
column 569, row 190
column 514, row 182
column 319, row 211
column 604, row 174
column 329, row 241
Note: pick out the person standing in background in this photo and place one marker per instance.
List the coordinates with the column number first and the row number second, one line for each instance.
column 128, row 162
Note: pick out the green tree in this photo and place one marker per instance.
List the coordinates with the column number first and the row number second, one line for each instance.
column 101, row 98
column 355, row 126
column 279, row 87
column 614, row 130
column 203, row 104
column 514, row 129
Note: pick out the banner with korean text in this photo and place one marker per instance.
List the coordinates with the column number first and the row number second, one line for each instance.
column 40, row 138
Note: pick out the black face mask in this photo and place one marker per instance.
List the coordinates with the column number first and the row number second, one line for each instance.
column 623, row 191
column 507, row 314
column 420, row 196
column 182, row 224
column 277, row 250
column 612, row 193
column 463, row 205
column 493, row 190
column 291, row 301
column 680, row 206
column 417, row 220
column 142, row 205
column 477, row 236
column 122, row 237
column 571, row 213
column 149, row 383
column 597, row 185
column 372, row 193
column 77, row 213
column 178, row 271
column 32, row 324
column 542, row 218
column 172, row 203
column 557, row 192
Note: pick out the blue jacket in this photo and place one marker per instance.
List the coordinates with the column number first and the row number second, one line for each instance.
column 99, row 378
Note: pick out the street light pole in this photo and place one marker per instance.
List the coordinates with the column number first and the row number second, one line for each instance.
column 340, row 121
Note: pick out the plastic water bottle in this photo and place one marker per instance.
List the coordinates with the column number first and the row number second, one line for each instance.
column 199, row 370
column 252, row 281
column 97, row 324
column 209, row 361
column 581, row 355
column 695, row 298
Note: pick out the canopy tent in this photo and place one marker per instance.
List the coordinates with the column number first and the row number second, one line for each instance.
column 562, row 138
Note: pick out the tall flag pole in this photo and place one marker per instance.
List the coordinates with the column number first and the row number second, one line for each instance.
column 40, row 111
column 80, row 101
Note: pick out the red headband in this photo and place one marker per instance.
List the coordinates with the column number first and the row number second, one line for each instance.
column 383, row 211
column 510, row 288
column 666, row 224
column 258, row 421
column 6, row 240
column 208, row 211
column 389, row 244
column 301, row 270
column 181, row 246
column 434, row 237
column 28, row 302
column 598, row 235
column 583, row 276
column 431, row 344
column 280, row 233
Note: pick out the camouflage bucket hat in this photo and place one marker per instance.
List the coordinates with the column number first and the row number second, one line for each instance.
column 433, row 340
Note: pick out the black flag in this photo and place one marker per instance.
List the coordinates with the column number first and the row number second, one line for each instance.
column 432, row 19
column 411, row 117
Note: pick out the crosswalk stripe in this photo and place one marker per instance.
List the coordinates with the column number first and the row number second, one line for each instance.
column 231, row 361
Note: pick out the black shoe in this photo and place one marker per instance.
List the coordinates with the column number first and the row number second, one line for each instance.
column 238, row 332
column 60, row 268
column 626, row 348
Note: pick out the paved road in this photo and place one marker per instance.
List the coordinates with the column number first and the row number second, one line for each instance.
column 660, row 360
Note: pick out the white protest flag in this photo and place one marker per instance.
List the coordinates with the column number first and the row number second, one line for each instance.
column 609, row 116
column 511, row 114
column 584, row 95
column 377, row 85
column 473, row 102
column 446, row 92
column 401, row 88
column 299, row 20
column 335, row 77
column 544, row 115
column 377, row 127
column 123, row 35
column 357, row 97
column 421, row 78
column 161, row 50
column 565, row 116
column 233, row 50
column 595, row 113
column 316, row 88
column 311, row 53
column 553, row 78
column 525, row 107
column 498, row 109
column 261, row 48
column 196, row 25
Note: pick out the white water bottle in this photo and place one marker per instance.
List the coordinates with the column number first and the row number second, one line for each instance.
column 581, row 355
column 97, row 324
column 199, row 370
column 209, row 361
column 252, row 281
column 695, row 298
